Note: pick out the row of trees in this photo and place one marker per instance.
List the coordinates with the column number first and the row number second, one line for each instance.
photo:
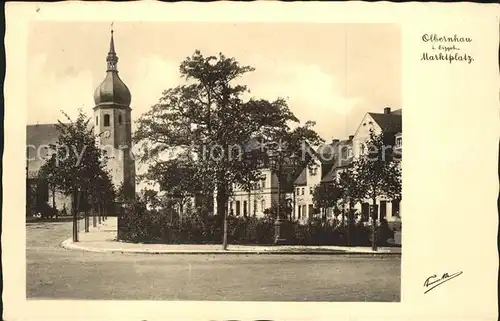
column 374, row 174
column 77, row 168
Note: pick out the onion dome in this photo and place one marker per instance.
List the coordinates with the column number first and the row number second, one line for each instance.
column 112, row 91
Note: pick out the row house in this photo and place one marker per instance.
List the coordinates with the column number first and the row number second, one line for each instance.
column 390, row 123
column 329, row 161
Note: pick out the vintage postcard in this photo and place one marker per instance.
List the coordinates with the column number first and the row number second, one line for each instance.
column 245, row 161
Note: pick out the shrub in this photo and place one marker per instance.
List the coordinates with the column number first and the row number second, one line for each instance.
column 137, row 224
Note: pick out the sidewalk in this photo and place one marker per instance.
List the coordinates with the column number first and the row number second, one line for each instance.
column 103, row 239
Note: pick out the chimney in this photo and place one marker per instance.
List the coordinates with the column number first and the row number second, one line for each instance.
column 387, row 110
column 351, row 137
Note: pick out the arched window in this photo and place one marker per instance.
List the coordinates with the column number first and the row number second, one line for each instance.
column 97, row 120
column 106, row 120
column 119, row 119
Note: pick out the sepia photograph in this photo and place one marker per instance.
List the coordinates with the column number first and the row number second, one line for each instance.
column 214, row 161
column 244, row 161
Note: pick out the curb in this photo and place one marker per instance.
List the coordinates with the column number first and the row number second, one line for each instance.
column 70, row 245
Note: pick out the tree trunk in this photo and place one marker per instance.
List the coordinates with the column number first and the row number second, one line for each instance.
column 74, row 209
column 249, row 204
column 87, row 222
column 374, row 224
column 222, row 210
column 224, row 240
column 99, row 212
column 350, row 221
column 54, row 202
column 94, row 219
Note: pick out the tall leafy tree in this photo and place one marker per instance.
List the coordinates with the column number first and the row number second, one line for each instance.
column 326, row 195
column 177, row 178
column 210, row 118
column 379, row 173
column 77, row 161
column 351, row 192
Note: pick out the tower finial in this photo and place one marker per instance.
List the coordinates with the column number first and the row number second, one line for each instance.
column 112, row 59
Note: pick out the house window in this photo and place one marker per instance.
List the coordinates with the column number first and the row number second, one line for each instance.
column 395, row 208
column 262, row 205
column 238, row 209
column 311, row 209
column 362, row 149
column 298, row 191
column 119, row 119
column 263, row 181
column 383, row 210
column 300, row 212
column 344, row 153
column 302, row 191
column 254, row 207
column 365, row 211
column 97, row 120
column 304, row 209
column 230, row 206
column 245, row 208
column 106, row 120
column 311, row 190
column 399, row 141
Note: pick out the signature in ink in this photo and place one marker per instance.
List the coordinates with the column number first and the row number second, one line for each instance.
column 433, row 281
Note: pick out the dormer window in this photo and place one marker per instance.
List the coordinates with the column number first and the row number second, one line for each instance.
column 106, row 120
column 119, row 119
column 399, row 142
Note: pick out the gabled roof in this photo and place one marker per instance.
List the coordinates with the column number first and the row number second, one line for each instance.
column 389, row 123
column 302, row 178
column 37, row 137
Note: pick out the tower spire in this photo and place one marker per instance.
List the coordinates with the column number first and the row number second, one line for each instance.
column 112, row 58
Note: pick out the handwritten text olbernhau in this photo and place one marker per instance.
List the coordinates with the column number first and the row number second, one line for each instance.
column 446, row 48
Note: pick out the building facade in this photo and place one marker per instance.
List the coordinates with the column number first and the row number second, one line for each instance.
column 331, row 159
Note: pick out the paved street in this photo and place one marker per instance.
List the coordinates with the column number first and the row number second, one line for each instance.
column 57, row 273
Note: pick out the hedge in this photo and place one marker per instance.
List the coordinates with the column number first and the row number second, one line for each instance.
column 137, row 224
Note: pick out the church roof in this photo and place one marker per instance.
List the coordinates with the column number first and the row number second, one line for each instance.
column 112, row 90
column 38, row 139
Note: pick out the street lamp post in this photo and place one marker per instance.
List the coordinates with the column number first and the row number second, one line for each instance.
column 276, row 161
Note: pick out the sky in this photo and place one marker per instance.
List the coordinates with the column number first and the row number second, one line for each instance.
column 329, row 73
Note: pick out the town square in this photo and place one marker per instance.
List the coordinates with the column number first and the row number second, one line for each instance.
column 253, row 174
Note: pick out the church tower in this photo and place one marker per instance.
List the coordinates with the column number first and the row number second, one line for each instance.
column 113, row 125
